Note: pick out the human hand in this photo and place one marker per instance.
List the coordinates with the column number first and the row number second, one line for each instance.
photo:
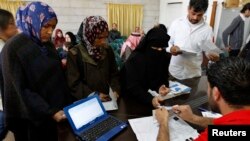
column 156, row 101
column 161, row 115
column 184, row 112
column 175, row 50
column 228, row 48
column 213, row 56
column 104, row 97
column 163, row 90
column 116, row 94
column 59, row 116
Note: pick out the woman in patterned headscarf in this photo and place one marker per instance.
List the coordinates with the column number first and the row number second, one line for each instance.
column 35, row 87
column 91, row 64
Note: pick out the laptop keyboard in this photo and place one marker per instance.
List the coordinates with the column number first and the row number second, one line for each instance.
column 99, row 129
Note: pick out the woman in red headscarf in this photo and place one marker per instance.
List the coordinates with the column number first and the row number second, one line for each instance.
column 59, row 39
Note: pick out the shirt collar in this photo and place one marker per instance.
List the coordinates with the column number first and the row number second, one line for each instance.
column 242, row 17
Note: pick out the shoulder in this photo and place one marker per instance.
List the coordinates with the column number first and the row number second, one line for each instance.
column 17, row 42
column 74, row 49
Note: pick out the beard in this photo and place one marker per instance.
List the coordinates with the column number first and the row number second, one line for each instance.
column 213, row 105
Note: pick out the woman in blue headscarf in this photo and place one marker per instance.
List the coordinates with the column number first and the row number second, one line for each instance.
column 35, row 87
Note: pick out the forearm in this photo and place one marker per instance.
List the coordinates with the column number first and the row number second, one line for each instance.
column 201, row 121
column 163, row 134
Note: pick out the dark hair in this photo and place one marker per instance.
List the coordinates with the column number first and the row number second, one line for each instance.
column 72, row 37
column 5, row 17
column 245, row 7
column 232, row 77
column 198, row 5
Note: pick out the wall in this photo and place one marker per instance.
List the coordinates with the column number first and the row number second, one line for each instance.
column 72, row 12
column 173, row 9
column 223, row 18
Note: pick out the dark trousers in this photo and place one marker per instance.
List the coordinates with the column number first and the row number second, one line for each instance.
column 24, row 130
column 234, row 53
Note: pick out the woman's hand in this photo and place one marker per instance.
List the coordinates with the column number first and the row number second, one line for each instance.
column 163, row 90
column 104, row 97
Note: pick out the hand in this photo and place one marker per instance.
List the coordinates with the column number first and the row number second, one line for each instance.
column 59, row 116
column 163, row 90
column 104, row 97
column 116, row 94
column 228, row 48
column 64, row 62
column 175, row 50
column 156, row 101
column 161, row 115
column 213, row 56
column 184, row 112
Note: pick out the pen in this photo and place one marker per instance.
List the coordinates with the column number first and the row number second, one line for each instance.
column 166, row 107
column 202, row 109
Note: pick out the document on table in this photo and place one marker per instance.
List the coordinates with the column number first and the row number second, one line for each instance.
column 176, row 89
column 147, row 130
column 111, row 105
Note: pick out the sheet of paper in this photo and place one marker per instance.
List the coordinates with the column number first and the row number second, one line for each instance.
column 210, row 47
column 210, row 114
column 188, row 52
column 111, row 105
column 147, row 130
column 176, row 89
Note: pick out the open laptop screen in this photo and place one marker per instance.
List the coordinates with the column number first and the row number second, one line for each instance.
column 85, row 112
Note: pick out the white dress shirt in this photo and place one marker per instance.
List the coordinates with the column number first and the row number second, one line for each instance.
column 188, row 37
column 1, row 44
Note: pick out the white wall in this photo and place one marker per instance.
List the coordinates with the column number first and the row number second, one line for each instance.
column 72, row 12
column 168, row 13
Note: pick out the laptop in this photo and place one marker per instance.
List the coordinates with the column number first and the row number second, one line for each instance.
column 90, row 121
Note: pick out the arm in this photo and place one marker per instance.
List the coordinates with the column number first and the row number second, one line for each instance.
column 114, row 73
column 185, row 112
column 77, row 87
column 172, row 48
column 229, row 30
column 162, row 118
column 36, row 104
column 134, row 80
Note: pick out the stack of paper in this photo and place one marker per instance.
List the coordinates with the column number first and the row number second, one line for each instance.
column 147, row 130
column 111, row 105
column 176, row 89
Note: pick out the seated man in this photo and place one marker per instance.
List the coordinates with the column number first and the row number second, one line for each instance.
column 227, row 94
column 114, row 33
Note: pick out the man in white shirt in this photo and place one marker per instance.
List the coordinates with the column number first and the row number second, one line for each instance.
column 188, row 36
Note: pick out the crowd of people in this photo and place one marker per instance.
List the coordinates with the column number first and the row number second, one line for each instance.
column 39, row 75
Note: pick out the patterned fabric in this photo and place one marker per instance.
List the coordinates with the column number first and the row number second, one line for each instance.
column 32, row 17
column 92, row 26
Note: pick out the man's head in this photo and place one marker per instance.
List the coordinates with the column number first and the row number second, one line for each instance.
column 114, row 26
column 246, row 10
column 7, row 25
column 229, row 81
column 196, row 10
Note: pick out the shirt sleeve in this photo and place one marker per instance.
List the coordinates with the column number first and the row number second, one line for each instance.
column 171, row 33
column 226, row 33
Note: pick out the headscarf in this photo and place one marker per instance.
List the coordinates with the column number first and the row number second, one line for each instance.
column 59, row 40
column 31, row 18
column 92, row 26
column 132, row 42
column 156, row 37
